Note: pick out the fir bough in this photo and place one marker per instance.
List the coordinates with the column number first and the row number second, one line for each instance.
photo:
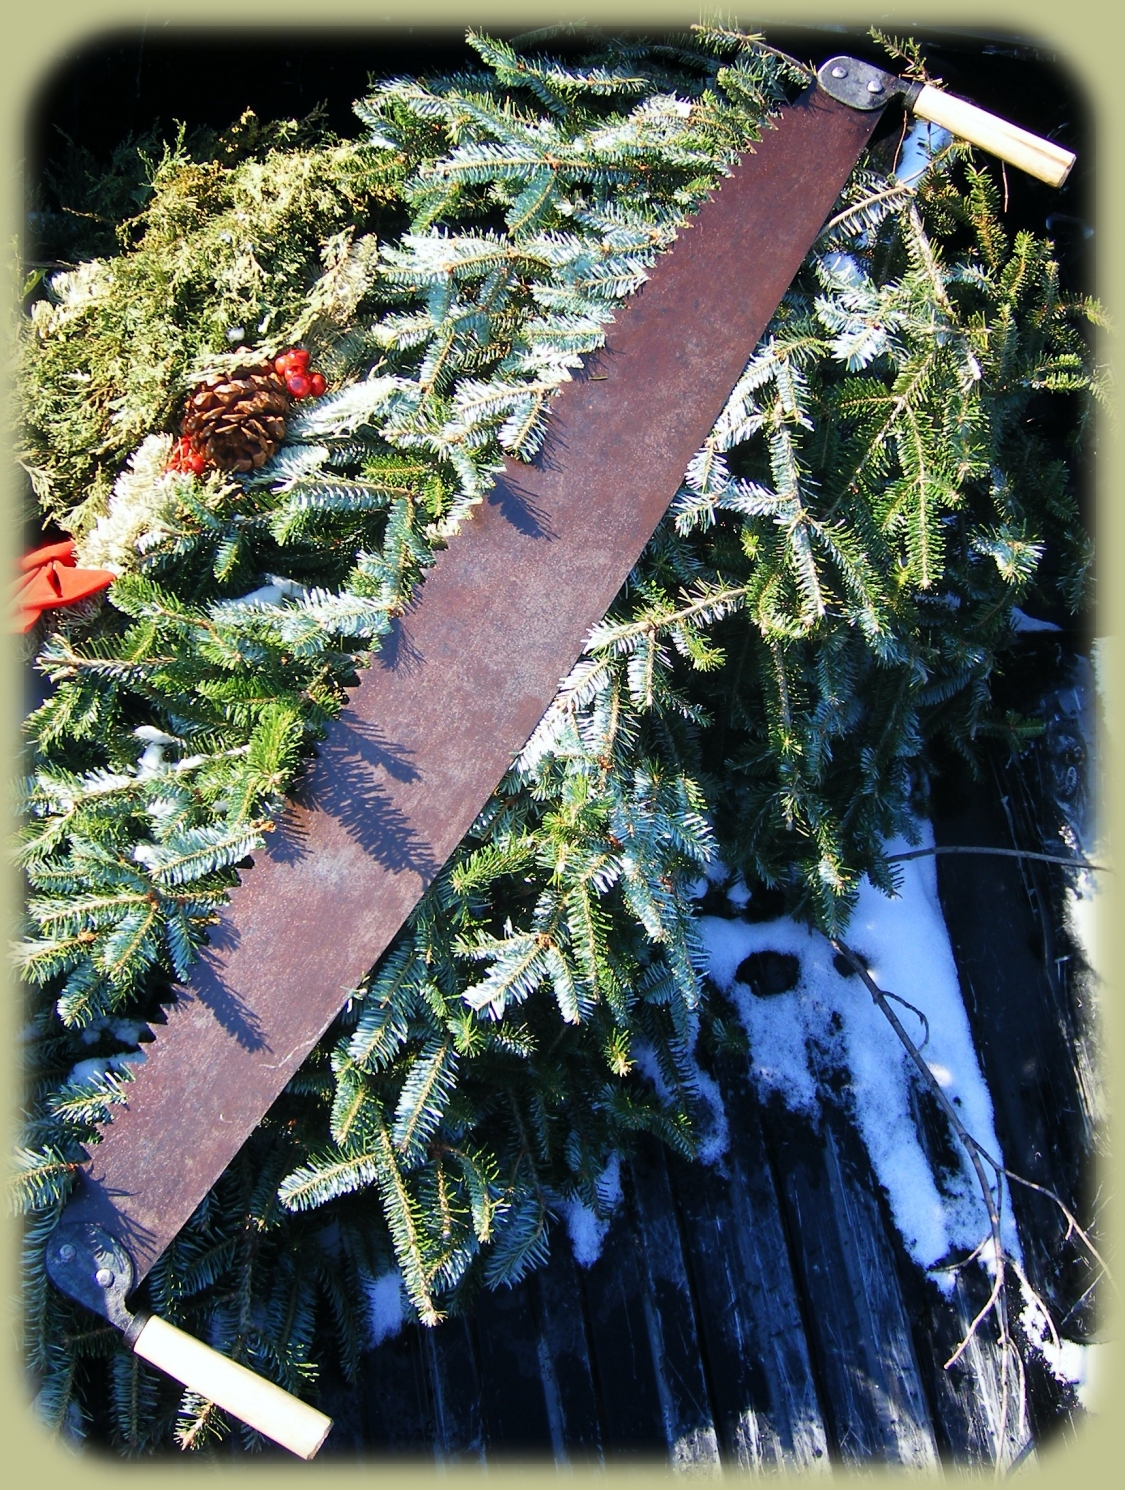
column 831, row 590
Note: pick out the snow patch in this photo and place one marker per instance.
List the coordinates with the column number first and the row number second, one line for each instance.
column 100, row 1065
column 1023, row 622
column 714, row 1140
column 276, row 589
column 644, row 1058
column 586, row 1228
column 128, row 1031
column 1070, row 1362
column 387, row 1306
column 609, row 1183
column 924, row 141
column 830, row 1021
column 587, row 1232
column 738, row 894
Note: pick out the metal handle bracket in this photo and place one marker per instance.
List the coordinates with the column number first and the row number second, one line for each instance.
column 862, row 86
column 858, row 85
column 89, row 1264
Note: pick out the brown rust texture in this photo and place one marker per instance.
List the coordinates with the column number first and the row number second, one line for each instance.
column 461, row 683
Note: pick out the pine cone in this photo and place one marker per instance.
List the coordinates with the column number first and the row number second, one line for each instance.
column 236, row 420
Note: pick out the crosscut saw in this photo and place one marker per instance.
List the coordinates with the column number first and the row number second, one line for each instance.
column 452, row 696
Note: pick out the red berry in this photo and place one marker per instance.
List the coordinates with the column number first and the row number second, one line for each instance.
column 295, row 360
column 197, row 463
column 299, row 386
column 317, row 385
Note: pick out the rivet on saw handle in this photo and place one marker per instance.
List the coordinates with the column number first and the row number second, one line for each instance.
column 89, row 1265
column 861, row 86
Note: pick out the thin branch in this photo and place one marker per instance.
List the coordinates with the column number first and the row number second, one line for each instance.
column 1071, row 1222
column 955, row 1267
column 1082, row 1297
column 1004, row 853
column 906, row 1004
column 1024, row 1453
column 985, row 1309
column 975, row 1149
column 1038, row 1302
column 901, row 141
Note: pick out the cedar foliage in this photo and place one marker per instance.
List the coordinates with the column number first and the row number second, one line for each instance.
column 830, row 593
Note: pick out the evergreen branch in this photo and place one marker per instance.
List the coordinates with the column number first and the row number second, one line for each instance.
column 405, row 1228
column 859, row 212
column 425, row 1095
column 710, row 606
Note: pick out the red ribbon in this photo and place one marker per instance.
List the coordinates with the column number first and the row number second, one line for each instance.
column 51, row 579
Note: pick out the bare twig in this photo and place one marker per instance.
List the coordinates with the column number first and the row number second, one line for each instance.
column 997, row 1284
column 1004, row 853
column 955, row 1267
column 1021, row 1428
column 1072, row 1223
column 997, row 1302
column 968, row 1142
column 901, row 139
column 914, row 1009
column 1082, row 1297
column 975, row 1150
column 1024, row 1453
column 1038, row 1302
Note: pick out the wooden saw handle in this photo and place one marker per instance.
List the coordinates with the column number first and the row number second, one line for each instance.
column 276, row 1413
column 1040, row 158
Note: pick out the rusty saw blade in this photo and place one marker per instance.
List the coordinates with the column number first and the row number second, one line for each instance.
column 461, row 682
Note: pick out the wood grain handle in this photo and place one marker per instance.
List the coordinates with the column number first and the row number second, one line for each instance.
column 1040, row 158
column 276, row 1413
